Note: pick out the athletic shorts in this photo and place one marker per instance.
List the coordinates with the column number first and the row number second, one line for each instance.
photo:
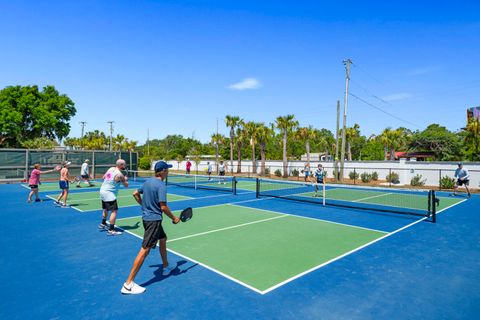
column 463, row 182
column 85, row 176
column 153, row 233
column 222, row 173
column 110, row 205
column 319, row 181
column 63, row 184
column 33, row 186
column 307, row 173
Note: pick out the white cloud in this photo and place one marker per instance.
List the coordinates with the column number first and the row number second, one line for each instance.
column 245, row 84
column 397, row 96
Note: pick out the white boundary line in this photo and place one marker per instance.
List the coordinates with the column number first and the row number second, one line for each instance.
column 310, row 218
column 339, row 257
column 203, row 265
column 452, row 205
column 378, row 195
column 73, row 207
column 227, row 228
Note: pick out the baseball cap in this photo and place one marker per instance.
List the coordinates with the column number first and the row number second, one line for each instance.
column 66, row 163
column 460, row 163
column 162, row 165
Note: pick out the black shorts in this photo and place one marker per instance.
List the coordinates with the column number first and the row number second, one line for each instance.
column 110, row 205
column 222, row 173
column 463, row 182
column 85, row 176
column 33, row 186
column 153, row 233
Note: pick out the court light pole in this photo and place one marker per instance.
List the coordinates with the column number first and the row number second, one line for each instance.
column 347, row 64
column 111, row 134
column 82, row 123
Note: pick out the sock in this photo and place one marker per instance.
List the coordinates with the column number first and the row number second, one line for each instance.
column 112, row 227
column 104, row 221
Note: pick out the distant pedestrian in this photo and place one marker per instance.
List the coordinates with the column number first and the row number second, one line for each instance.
column 209, row 170
column 188, row 166
column 34, row 182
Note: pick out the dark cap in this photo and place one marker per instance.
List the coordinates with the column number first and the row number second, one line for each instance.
column 162, row 165
column 460, row 163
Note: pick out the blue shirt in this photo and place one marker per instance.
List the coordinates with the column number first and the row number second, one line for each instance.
column 154, row 191
column 462, row 173
column 319, row 174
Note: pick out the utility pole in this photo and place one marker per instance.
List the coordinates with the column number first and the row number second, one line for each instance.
column 347, row 64
column 111, row 134
column 82, row 123
column 336, row 142
column 216, row 148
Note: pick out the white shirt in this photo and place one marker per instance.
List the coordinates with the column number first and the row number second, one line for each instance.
column 109, row 188
column 221, row 168
column 84, row 170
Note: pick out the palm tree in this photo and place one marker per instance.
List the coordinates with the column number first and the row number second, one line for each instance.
column 385, row 140
column 232, row 122
column 118, row 142
column 240, row 141
column 264, row 134
column 350, row 134
column 306, row 134
column 217, row 139
column 251, row 128
column 473, row 136
column 286, row 125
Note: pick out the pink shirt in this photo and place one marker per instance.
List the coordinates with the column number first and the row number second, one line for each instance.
column 34, row 177
column 189, row 164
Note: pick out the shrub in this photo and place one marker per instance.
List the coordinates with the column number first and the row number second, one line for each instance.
column 278, row 173
column 366, row 177
column 374, row 175
column 393, row 177
column 417, row 181
column 267, row 170
column 353, row 175
column 295, row 173
column 144, row 163
column 447, row 182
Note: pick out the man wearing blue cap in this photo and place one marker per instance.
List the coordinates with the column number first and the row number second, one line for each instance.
column 462, row 176
column 154, row 204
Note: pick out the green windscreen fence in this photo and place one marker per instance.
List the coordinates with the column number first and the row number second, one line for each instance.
column 16, row 164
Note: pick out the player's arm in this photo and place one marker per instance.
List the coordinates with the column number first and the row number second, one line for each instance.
column 123, row 179
column 138, row 197
column 467, row 175
column 166, row 210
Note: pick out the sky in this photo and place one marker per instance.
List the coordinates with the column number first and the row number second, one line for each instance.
column 178, row 67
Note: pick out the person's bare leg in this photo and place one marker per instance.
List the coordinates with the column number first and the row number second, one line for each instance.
column 137, row 264
column 113, row 218
column 163, row 251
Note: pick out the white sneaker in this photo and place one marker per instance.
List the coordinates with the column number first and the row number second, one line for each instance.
column 167, row 270
column 114, row 232
column 132, row 288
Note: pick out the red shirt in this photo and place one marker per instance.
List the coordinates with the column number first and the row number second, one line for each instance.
column 189, row 164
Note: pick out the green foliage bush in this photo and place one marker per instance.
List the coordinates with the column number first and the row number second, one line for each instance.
column 144, row 163
column 295, row 173
column 417, row 181
column 393, row 177
column 353, row 175
column 278, row 173
column 447, row 183
column 267, row 170
column 366, row 177
column 374, row 175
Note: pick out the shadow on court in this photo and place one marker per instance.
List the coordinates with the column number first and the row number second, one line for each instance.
column 158, row 276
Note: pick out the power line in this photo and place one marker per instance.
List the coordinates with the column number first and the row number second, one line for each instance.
column 381, row 110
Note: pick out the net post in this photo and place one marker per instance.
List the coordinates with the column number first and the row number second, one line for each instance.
column 234, row 181
column 324, row 192
column 257, row 189
column 434, row 207
column 354, row 176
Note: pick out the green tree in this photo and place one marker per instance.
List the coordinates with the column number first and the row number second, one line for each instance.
column 39, row 143
column 306, row 134
column 472, row 139
column 27, row 113
column 446, row 145
column 241, row 138
column 264, row 134
column 232, row 122
column 286, row 124
column 217, row 140
column 251, row 129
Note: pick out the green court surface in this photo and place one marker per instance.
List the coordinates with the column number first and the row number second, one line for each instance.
column 53, row 186
column 256, row 248
column 390, row 199
column 89, row 201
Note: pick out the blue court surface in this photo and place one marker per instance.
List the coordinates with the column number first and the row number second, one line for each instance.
column 239, row 258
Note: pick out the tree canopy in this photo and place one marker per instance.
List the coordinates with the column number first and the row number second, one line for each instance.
column 27, row 113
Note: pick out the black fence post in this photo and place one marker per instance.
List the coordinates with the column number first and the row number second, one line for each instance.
column 440, row 179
